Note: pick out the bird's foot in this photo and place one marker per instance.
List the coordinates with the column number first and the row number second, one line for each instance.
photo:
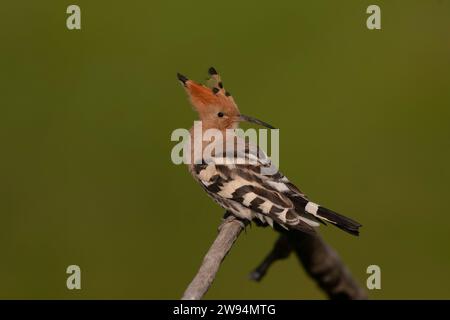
column 228, row 217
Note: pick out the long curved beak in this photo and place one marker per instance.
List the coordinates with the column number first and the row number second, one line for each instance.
column 254, row 120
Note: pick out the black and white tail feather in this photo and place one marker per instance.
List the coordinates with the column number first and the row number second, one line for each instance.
column 267, row 199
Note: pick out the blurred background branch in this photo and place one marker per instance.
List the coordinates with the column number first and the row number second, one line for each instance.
column 320, row 261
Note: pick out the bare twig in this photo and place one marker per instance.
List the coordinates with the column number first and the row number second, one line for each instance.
column 229, row 231
column 320, row 261
column 281, row 250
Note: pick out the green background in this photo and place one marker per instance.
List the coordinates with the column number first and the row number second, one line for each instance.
column 86, row 117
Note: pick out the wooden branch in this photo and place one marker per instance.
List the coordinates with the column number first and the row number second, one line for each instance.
column 320, row 261
column 229, row 231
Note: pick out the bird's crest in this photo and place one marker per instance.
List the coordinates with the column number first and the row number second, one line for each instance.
column 202, row 97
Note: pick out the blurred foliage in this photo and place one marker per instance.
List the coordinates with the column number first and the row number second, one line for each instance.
column 86, row 118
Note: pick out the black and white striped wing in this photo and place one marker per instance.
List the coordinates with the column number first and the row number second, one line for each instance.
column 246, row 192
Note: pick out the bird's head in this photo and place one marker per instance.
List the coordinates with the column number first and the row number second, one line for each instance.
column 215, row 106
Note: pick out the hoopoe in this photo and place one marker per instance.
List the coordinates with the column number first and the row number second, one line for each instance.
column 240, row 187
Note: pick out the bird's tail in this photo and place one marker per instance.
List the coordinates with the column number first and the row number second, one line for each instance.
column 340, row 221
column 324, row 214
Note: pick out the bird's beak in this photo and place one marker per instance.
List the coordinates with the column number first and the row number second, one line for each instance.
column 254, row 120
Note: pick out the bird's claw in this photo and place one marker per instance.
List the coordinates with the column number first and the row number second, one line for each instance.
column 230, row 218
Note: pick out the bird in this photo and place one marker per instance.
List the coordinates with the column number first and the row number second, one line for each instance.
column 245, row 187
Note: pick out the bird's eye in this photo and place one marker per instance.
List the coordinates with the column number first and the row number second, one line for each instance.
column 220, row 114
